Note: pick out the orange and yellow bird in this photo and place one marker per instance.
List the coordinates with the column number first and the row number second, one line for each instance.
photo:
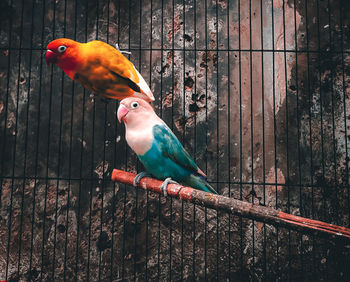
column 99, row 67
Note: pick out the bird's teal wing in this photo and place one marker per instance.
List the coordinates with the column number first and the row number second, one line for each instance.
column 171, row 147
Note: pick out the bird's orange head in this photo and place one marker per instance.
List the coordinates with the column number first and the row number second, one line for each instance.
column 64, row 53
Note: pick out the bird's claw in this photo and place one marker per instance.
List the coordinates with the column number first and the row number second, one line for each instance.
column 123, row 52
column 139, row 176
column 165, row 184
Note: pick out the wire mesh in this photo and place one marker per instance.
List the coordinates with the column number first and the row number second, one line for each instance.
column 257, row 91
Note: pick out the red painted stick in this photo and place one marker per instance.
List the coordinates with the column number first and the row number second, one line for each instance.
column 237, row 207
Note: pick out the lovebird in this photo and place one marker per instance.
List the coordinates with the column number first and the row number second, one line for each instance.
column 99, row 67
column 157, row 147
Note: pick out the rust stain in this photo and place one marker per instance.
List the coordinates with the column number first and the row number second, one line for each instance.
column 51, row 199
column 169, row 56
column 101, row 169
column 167, row 100
column 260, row 226
column 177, row 26
column 221, row 3
column 11, row 120
column 271, row 176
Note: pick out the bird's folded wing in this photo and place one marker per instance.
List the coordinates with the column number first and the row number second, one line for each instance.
column 120, row 66
column 173, row 149
column 127, row 81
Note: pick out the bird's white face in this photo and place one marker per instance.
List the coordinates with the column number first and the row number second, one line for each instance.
column 139, row 118
column 134, row 112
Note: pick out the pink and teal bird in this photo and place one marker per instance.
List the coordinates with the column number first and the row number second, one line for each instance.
column 158, row 149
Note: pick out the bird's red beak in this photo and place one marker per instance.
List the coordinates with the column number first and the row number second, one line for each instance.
column 122, row 112
column 51, row 57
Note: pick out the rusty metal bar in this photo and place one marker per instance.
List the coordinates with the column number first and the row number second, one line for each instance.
column 237, row 207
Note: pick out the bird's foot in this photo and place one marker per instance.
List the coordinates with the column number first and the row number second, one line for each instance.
column 123, row 52
column 165, row 184
column 139, row 176
column 103, row 99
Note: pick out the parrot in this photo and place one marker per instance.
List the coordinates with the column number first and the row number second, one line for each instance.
column 99, row 67
column 157, row 147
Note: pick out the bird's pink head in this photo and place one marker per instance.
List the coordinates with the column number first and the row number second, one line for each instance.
column 63, row 52
column 134, row 110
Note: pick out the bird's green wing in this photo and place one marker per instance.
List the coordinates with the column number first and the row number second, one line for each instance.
column 172, row 148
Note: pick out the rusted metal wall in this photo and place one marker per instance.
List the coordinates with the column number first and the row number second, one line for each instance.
column 257, row 91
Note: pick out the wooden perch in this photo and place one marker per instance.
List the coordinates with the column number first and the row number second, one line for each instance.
column 237, row 207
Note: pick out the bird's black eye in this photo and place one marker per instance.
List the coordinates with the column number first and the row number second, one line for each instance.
column 62, row 48
column 134, row 105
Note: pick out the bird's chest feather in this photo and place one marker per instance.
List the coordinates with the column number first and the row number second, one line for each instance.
column 94, row 74
column 140, row 140
column 161, row 166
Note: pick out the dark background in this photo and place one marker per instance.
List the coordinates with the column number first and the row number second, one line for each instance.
column 257, row 91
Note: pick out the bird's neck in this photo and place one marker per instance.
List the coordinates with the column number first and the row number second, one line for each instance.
column 139, row 135
column 140, row 141
column 70, row 63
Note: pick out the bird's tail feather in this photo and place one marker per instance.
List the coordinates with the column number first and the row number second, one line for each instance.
column 199, row 182
column 210, row 188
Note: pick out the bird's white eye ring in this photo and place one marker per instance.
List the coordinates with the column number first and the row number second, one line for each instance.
column 62, row 48
column 134, row 105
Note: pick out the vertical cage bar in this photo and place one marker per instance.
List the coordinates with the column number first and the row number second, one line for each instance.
column 137, row 166
column 263, row 130
column 217, row 133
column 147, row 192
column 310, row 129
column 26, row 142
column 14, row 147
column 206, row 135
column 298, row 130
column 126, row 155
column 286, row 130
column 115, row 164
column 274, row 128
column 82, row 136
column 331, row 48
column 297, row 104
column 103, row 168
column 59, row 154
column 172, row 125
column 37, row 143
column 48, row 151
column 228, row 133
column 92, row 154
column 341, row 10
column 321, row 103
column 253, row 193
column 240, row 134
column 195, row 135
column 70, row 156
column 184, row 113
column 161, row 115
